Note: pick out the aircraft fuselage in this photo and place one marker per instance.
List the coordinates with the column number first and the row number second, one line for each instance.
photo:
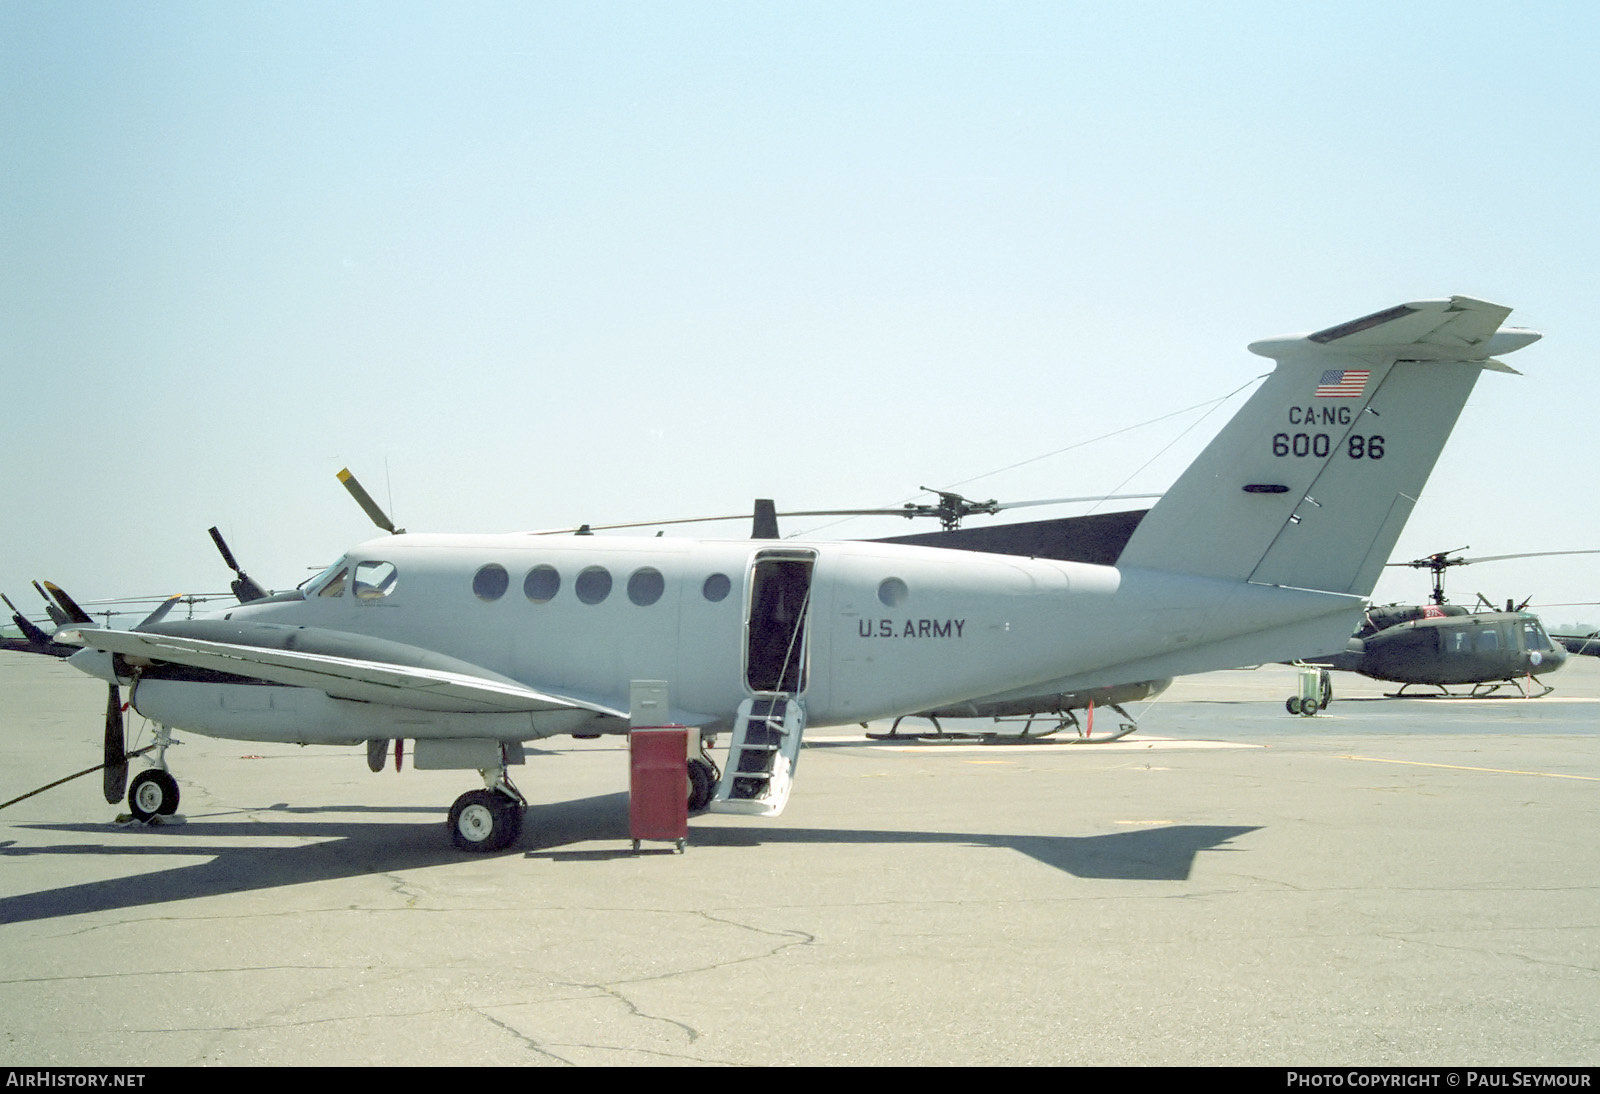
column 859, row 630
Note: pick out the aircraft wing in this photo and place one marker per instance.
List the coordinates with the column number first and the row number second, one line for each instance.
column 422, row 687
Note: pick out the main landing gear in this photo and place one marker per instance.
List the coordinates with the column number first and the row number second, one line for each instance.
column 486, row 820
column 703, row 779
column 489, row 819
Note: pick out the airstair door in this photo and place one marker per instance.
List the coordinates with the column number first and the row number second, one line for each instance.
column 775, row 622
column 763, row 750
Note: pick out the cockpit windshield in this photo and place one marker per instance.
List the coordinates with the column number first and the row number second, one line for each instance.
column 317, row 586
column 1533, row 636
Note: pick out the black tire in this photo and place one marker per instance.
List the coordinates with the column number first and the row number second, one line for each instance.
column 1293, row 704
column 153, row 793
column 702, row 784
column 484, row 821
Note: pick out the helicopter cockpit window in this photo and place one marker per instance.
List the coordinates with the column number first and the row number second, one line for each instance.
column 374, row 580
column 1533, row 636
column 334, row 586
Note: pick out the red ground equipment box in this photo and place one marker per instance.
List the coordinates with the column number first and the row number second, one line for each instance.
column 658, row 784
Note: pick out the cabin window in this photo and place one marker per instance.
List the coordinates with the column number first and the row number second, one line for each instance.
column 1488, row 639
column 593, row 585
column 491, row 582
column 335, row 585
column 716, row 588
column 892, row 592
column 646, row 586
column 541, row 584
column 374, row 580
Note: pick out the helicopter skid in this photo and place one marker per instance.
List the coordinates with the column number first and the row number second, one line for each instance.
column 1026, row 737
column 1479, row 691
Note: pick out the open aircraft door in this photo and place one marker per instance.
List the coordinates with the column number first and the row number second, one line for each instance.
column 765, row 743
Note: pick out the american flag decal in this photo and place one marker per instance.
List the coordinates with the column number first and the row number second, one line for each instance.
column 1343, row 383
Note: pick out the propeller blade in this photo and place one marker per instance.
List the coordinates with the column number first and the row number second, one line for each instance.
column 29, row 631
column 57, row 616
column 374, row 512
column 116, row 770
column 161, row 612
column 68, row 605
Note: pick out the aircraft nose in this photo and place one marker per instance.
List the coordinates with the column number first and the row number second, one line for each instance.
column 1549, row 660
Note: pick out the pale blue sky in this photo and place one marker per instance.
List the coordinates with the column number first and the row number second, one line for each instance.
column 525, row 265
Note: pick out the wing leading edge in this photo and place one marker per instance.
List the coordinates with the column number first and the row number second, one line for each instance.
column 420, row 687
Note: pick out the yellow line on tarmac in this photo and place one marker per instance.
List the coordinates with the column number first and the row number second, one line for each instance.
column 1463, row 767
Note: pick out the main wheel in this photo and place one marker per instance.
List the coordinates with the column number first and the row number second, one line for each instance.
column 1293, row 704
column 483, row 820
column 702, row 784
column 154, row 793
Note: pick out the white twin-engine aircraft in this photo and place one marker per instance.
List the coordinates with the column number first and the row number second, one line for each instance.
column 471, row 645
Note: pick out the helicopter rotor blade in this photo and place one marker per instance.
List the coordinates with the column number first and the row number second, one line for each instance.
column 909, row 510
column 1528, row 554
column 243, row 587
column 1063, row 501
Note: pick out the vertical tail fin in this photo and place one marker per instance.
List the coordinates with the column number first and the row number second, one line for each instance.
column 1311, row 482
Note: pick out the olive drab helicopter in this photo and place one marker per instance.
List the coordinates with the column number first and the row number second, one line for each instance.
column 470, row 646
column 1441, row 645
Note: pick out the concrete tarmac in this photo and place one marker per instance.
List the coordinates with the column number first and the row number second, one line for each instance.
column 1391, row 882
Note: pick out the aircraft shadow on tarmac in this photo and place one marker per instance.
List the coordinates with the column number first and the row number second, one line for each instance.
column 351, row 849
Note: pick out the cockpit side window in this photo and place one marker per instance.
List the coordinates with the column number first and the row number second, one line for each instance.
column 335, row 584
column 374, row 580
